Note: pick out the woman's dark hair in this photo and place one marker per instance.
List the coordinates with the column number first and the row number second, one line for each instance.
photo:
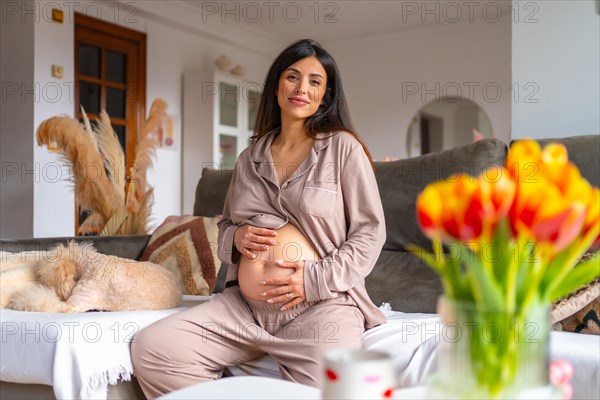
column 332, row 116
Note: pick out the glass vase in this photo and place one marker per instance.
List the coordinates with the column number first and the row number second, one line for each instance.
column 492, row 354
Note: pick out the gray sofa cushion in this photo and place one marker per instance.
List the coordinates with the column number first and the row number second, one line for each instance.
column 211, row 191
column 400, row 182
column 210, row 198
column 126, row 246
column 404, row 281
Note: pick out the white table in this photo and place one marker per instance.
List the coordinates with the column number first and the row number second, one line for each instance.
column 246, row 387
column 261, row 388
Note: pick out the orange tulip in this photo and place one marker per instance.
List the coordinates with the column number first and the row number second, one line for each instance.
column 592, row 219
column 458, row 208
column 545, row 201
column 497, row 194
column 553, row 202
column 557, row 169
column 551, row 212
column 561, row 229
column 442, row 206
column 542, row 193
column 463, row 209
column 429, row 210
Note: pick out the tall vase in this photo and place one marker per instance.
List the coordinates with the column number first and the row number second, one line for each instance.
column 492, row 354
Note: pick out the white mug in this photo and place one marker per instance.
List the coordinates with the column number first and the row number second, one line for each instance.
column 358, row 374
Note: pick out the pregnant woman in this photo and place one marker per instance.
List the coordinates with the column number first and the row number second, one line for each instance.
column 291, row 245
column 302, row 227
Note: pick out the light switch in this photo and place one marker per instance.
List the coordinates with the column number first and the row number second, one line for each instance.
column 58, row 71
column 58, row 15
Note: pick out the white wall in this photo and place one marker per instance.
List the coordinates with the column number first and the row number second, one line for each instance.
column 377, row 71
column 444, row 59
column 171, row 53
column 53, row 206
column 173, row 49
column 555, row 48
column 43, row 206
column 448, row 114
column 16, row 114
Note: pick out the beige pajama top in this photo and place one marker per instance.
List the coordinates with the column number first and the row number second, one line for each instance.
column 332, row 197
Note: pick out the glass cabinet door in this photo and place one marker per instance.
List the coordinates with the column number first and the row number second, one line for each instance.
column 227, row 151
column 234, row 118
column 228, row 103
column 253, row 98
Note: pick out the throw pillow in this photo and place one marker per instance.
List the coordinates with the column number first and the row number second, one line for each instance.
column 577, row 300
column 187, row 245
column 587, row 320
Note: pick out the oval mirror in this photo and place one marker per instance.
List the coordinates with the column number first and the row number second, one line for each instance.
column 446, row 123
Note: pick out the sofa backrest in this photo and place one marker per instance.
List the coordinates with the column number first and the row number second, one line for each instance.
column 584, row 152
column 126, row 246
column 211, row 191
column 409, row 176
column 399, row 278
column 399, row 182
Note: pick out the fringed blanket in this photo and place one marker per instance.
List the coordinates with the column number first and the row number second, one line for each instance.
column 77, row 354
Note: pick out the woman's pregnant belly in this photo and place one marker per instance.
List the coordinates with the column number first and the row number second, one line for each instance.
column 291, row 246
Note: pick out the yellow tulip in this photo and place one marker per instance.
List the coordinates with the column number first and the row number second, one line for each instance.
column 523, row 160
column 554, row 159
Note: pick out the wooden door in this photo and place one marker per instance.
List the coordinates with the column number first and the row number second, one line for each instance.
column 110, row 74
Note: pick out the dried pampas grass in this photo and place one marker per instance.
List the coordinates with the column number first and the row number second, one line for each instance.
column 93, row 189
column 114, row 158
column 100, row 171
column 145, row 151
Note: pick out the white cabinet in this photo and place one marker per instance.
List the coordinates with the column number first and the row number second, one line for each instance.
column 218, row 115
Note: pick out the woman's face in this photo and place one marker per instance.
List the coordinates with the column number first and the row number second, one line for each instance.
column 301, row 88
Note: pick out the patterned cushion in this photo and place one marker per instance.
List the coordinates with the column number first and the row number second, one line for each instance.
column 579, row 310
column 575, row 301
column 586, row 320
column 187, row 245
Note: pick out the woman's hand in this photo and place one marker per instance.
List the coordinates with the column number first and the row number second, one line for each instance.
column 248, row 239
column 291, row 288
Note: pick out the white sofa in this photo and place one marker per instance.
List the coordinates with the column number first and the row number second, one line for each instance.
column 86, row 356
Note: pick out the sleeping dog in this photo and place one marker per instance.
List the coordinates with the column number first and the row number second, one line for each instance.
column 76, row 278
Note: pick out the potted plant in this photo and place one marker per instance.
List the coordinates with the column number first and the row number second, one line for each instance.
column 505, row 245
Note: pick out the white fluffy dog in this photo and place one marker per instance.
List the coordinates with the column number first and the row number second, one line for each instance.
column 76, row 278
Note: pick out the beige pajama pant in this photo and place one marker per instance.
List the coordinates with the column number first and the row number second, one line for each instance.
column 197, row 344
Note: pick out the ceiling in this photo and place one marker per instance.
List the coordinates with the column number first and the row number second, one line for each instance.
column 342, row 20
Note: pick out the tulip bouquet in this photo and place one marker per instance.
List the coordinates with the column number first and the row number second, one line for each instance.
column 507, row 243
